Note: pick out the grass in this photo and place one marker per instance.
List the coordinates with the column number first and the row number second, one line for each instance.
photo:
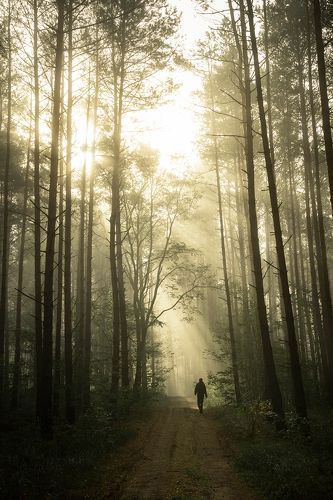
column 31, row 468
column 287, row 465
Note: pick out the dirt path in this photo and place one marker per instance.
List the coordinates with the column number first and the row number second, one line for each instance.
column 178, row 454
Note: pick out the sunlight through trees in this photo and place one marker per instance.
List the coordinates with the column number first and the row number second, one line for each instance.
column 166, row 203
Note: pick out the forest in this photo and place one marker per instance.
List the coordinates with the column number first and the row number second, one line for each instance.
column 166, row 186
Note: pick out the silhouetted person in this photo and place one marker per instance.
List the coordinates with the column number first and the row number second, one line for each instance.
column 200, row 391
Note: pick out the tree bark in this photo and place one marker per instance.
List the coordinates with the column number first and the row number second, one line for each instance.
column 46, row 407
column 60, row 272
column 299, row 394
column 118, row 292
column 88, row 297
column 234, row 357
column 80, row 294
column 271, row 379
column 324, row 97
column 5, row 220
column 37, row 226
column 293, row 241
column 322, row 262
column 69, row 396
column 18, row 321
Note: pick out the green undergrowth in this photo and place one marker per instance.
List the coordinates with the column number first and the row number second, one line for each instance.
column 282, row 465
column 32, row 469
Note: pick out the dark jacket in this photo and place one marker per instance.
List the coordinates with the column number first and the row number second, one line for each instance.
column 200, row 390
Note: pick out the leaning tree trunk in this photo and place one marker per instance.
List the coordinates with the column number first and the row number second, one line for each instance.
column 299, row 393
column 46, row 407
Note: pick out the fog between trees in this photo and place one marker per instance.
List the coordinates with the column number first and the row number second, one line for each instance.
column 131, row 267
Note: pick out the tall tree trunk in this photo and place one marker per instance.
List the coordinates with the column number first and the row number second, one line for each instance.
column 324, row 99
column 5, row 220
column 18, row 321
column 137, row 284
column 69, row 396
column 114, row 218
column 293, row 241
column 324, row 282
column 315, row 355
column 60, row 272
column 271, row 379
column 144, row 356
column 114, row 283
column 122, row 312
column 118, row 291
column 121, row 286
column 247, row 340
column 80, row 295
column 37, row 226
column 311, row 212
column 46, row 408
column 234, row 357
column 299, row 394
column 88, row 297
column 153, row 358
column 269, row 256
column 138, row 362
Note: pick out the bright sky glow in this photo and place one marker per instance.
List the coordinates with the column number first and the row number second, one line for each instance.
column 173, row 128
column 82, row 141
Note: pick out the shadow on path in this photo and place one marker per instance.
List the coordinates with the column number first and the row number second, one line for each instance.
column 178, row 454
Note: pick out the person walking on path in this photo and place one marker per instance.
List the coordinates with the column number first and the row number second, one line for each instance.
column 200, row 391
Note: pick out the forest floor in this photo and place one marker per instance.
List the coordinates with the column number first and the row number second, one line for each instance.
column 177, row 453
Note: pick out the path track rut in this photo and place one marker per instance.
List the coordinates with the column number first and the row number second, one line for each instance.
column 179, row 454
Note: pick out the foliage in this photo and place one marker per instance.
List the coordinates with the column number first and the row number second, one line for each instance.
column 221, row 384
column 32, row 468
column 282, row 470
column 286, row 465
